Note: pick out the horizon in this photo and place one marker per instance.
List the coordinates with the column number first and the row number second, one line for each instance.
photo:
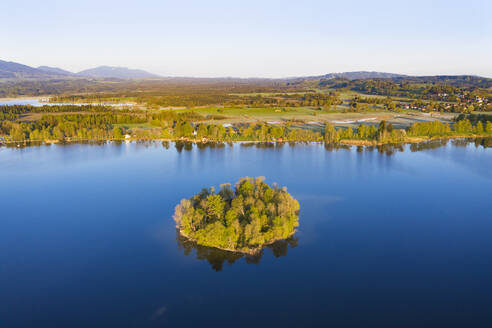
column 283, row 39
column 157, row 76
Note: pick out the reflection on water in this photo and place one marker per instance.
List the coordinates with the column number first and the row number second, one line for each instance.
column 433, row 144
column 217, row 257
column 484, row 142
column 41, row 143
column 387, row 149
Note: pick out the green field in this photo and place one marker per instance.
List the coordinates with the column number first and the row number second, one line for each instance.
column 312, row 117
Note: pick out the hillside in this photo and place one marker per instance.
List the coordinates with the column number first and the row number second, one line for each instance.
column 55, row 70
column 116, row 72
column 358, row 75
column 11, row 70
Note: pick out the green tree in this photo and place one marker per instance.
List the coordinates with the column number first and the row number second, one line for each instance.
column 488, row 127
column 202, row 131
column 58, row 133
column 479, row 128
column 117, row 133
column 215, row 206
column 330, row 133
column 17, row 133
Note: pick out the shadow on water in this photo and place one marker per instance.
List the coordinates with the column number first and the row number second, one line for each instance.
column 217, row 257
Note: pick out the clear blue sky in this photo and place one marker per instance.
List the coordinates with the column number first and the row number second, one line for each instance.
column 251, row 38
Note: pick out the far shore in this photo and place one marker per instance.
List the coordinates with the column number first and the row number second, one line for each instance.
column 24, row 98
column 345, row 142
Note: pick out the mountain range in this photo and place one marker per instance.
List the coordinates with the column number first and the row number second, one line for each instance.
column 359, row 75
column 12, row 70
column 55, row 71
column 116, row 72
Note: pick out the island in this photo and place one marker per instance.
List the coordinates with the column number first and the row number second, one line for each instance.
column 244, row 219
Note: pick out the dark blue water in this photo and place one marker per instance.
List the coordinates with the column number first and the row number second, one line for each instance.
column 386, row 239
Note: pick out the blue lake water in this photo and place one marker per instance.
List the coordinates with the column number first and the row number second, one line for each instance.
column 393, row 238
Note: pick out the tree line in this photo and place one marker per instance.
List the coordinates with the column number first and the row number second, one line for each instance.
column 99, row 123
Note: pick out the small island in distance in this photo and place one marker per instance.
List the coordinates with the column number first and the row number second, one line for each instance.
column 244, row 219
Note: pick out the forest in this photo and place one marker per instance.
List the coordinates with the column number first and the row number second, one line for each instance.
column 241, row 219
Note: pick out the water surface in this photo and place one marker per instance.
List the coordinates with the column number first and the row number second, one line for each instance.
column 390, row 238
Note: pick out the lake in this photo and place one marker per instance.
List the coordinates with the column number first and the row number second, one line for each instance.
column 388, row 238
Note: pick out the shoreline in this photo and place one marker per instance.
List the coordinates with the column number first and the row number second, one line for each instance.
column 253, row 251
column 48, row 100
column 346, row 142
column 22, row 98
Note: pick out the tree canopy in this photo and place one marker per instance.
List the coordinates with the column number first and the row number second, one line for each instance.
column 243, row 219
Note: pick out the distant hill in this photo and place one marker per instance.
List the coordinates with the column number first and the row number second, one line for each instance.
column 454, row 80
column 116, row 72
column 358, row 75
column 55, row 70
column 12, row 70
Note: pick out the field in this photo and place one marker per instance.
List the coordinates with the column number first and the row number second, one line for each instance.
column 307, row 116
column 313, row 117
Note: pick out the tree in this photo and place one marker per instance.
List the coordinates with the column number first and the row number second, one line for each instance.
column 488, row 127
column 362, row 132
column 330, row 133
column 202, row 131
column 226, row 191
column 117, row 133
column 479, row 128
column 463, row 126
column 17, row 133
column 215, row 206
column 383, row 131
column 187, row 129
column 58, row 133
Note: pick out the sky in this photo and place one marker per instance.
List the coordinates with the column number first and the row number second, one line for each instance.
column 250, row 38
